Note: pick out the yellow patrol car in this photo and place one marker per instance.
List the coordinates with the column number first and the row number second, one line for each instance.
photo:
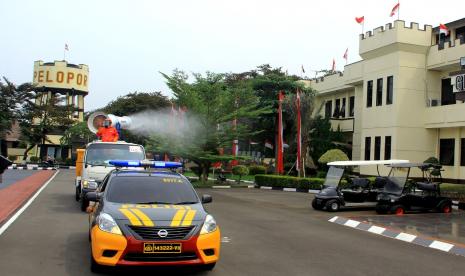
column 149, row 218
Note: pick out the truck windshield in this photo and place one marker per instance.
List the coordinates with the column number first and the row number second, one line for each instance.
column 100, row 154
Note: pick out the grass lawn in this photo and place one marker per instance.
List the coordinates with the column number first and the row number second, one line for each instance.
column 448, row 187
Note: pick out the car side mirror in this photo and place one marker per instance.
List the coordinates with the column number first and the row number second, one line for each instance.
column 93, row 196
column 207, row 198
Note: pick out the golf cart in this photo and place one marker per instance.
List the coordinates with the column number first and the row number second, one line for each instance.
column 402, row 193
column 352, row 191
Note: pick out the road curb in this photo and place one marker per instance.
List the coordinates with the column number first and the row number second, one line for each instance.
column 294, row 190
column 401, row 236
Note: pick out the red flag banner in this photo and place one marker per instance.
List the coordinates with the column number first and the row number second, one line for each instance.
column 395, row 9
column 346, row 54
column 299, row 137
column 279, row 148
column 443, row 29
column 333, row 68
column 360, row 19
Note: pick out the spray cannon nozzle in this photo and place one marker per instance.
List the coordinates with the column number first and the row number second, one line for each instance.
column 98, row 118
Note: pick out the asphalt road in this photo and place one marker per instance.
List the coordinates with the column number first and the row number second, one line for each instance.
column 264, row 233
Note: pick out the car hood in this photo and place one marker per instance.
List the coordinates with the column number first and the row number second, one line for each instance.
column 156, row 214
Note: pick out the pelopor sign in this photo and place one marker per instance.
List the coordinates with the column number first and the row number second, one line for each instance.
column 60, row 74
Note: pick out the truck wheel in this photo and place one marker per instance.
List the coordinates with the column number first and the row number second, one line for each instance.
column 332, row 205
column 315, row 205
column 78, row 193
column 84, row 204
column 398, row 210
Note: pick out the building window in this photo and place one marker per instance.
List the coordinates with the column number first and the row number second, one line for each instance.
column 328, row 109
column 379, row 92
column 351, row 106
column 367, row 148
column 336, row 108
column 390, row 89
column 447, row 94
column 343, row 108
column 369, row 93
column 446, row 151
column 377, row 147
column 387, row 147
column 462, row 152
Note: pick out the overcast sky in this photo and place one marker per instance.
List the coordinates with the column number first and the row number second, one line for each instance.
column 126, row 43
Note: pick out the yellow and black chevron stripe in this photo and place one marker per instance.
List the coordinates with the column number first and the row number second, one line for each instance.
column 137, row 217
column 188, row 216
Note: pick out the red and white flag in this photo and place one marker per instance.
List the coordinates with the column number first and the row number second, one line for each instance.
column 280, row 148
column 360, row 20
column 443, row 29
column 299, row 136
column 268, row 144
column 395, row 9
column 333, row 68
column 252, row 142
column 345, row 56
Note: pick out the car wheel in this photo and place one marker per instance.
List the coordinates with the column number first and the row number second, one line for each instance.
column 209, row 267
column 315, row 205
column 84, row 204
column 94, row 266
column 78, row 193
column 382, row 210
column 446, row 208
column 398, row 210
column 332, row 205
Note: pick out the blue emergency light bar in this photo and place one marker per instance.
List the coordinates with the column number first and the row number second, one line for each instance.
column 145, row 163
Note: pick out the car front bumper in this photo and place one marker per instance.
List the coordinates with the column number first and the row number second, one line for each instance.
column 117, row 250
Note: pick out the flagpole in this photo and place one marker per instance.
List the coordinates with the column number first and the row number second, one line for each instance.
column 398, row 10
column 64, row 54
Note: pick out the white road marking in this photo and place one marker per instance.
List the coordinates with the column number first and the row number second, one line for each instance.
column 221, row 187
column 225, row 240
column 441, row 246
column 266, row 188
column 289, row 189
column 333, row 219
column 352, row 223
column 22, row 209
column 406, row 237
column 376, row 229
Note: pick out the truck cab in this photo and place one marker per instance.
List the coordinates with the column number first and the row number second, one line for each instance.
column 93, row 164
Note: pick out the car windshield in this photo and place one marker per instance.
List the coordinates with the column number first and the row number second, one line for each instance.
column 396, row 180
column 100, row 154
column 333, row 176
column 151, row 190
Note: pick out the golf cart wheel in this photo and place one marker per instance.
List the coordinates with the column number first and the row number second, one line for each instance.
column 380, row 209
column 398, row 210
column 315, row 205
column 446, row 208
column 332, row 205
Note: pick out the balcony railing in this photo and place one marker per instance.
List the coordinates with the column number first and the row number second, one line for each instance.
column 344, row 124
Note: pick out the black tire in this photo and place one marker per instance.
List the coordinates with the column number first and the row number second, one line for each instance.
column 209, row 267
column 84, row 204
column 94, row 266
column 315, row 205
column 382, row 210
column 332, row 205
column 445, row 208
column 78, row 193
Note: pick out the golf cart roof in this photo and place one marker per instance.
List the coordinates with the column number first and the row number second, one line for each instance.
column 367, row 163
column 413, row 165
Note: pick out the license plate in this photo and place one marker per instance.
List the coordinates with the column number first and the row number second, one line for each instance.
column 160, row 248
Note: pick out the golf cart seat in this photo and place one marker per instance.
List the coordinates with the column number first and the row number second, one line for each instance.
column 427, row 186
column 359, row 183
column 379, row 183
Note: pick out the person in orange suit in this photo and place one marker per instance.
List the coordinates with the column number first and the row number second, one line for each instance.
column 107, row 133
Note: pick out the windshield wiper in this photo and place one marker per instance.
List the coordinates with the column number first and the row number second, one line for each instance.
column 154, row 202
column 186, row 202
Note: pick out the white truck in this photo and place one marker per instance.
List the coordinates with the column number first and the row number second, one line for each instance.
column 94, row 166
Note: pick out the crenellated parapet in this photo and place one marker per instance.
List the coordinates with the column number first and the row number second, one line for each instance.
column 395, row 37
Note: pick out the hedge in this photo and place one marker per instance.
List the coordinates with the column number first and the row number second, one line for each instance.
column 279, row 181
column 254, row 169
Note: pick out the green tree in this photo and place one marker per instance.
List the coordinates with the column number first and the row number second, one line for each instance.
column 44, row 114
column 322, row 137
column 214, row 100
column 333, row 155
column 77, row 135
column 12, row 99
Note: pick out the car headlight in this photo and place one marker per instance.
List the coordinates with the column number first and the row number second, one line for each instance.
column 209, row 225
column 107, row 224
column 91, row 184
